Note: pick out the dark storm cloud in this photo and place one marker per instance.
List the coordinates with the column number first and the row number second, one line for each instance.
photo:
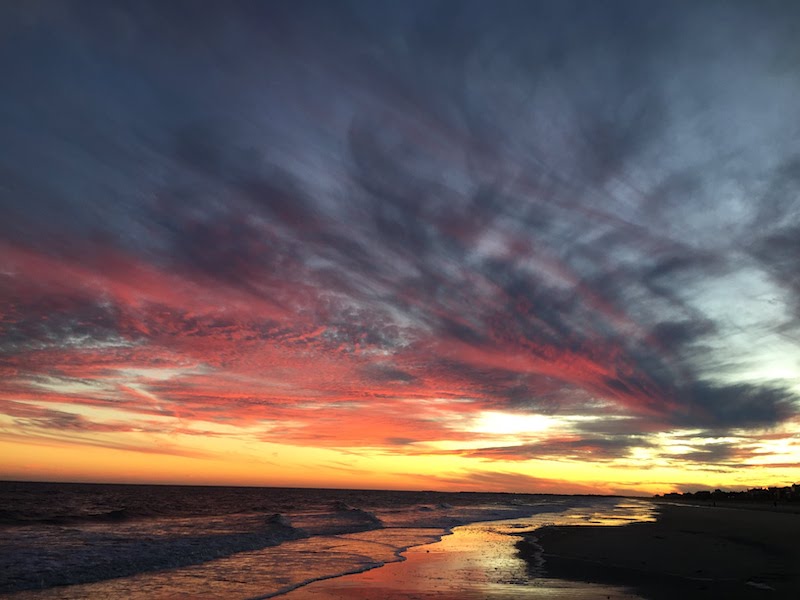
column 503, row 480
column 384, row 373
column 395, row 441
column 537, row 206
column 736, row 405
column 58, row 321
column 621, row 426
column 672, row 335
column 587, row 449
column 715, row 454
column 779, row 252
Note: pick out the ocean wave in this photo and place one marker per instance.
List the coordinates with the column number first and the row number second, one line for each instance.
column 10, row 517
column 110, row 552
column 73, row 534
column 110, row 556
column 360, row 515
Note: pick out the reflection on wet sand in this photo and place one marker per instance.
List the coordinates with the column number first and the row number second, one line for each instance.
column 478, row 561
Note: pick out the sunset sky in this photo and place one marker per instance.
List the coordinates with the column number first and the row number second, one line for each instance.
column 534, row 246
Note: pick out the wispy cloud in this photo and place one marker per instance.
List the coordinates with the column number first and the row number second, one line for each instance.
column 366, row 224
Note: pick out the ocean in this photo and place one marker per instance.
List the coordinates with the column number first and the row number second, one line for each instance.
column 61, row 540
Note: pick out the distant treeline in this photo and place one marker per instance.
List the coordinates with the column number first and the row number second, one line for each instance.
column 790, row 493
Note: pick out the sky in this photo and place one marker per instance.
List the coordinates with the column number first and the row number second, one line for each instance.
column 511, row 246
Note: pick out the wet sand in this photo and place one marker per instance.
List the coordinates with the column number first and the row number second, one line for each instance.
column 476, row 562
column 689, row 552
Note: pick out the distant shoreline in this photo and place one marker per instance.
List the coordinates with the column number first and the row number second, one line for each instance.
column 785, row 507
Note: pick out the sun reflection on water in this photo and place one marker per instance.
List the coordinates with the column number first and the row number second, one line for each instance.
column 481, row 561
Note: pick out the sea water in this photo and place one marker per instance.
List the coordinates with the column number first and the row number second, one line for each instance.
column 90, row 540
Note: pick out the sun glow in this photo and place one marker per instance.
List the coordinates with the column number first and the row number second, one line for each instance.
column 501, row 423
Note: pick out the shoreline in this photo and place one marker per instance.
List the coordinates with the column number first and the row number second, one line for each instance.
column 682, row 551
column 478, row 561
column 690, row 552
column 792, row 508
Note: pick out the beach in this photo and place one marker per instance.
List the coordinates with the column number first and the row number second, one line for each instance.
column 228, row 543
column 70, row 542
column 689, row 552
column 476, row 562
column 75, row 541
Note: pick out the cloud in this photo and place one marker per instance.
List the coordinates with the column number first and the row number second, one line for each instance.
column 576, row 448
column 737, row 405
column 714, row 454
column 36, row 424
column 506, row 480
column 368, row 228
column 777, row 251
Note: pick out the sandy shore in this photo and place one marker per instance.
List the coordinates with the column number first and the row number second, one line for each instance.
column 477, row 562
column 690, row 552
